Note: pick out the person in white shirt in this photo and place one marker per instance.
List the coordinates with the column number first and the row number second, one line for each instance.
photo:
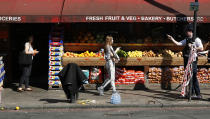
column 26, row 69
column 187, row 42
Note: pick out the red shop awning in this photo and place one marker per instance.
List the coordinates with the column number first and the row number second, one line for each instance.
column 49, row 11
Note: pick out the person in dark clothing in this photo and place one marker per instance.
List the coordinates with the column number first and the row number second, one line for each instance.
column 187, row 42
column 26, row 69
column 72, row 78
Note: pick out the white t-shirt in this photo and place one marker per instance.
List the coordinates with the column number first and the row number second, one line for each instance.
column 27, row 44
column 198, row 43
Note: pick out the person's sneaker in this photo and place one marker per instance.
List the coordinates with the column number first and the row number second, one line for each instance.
column 85, row 82
column 101, row 91
column 182, row 97
column 193, row 96
column 20, row 89
column 199, row 97
column 28, row 89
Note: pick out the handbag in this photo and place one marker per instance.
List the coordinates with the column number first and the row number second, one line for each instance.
column 25, row 59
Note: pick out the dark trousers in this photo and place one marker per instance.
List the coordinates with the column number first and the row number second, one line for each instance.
column 26, row 72
column 195, row 84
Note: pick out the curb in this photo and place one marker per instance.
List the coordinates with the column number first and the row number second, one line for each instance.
column 105, row 106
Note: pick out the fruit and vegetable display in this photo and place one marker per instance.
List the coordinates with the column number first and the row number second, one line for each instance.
column 150, row 53
column 89, row 37
column 175, row 75
column 122, row 53
column 135, row 53
column 98, row 37
column 84, row 54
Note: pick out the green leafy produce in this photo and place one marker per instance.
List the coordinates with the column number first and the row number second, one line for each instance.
column 122, row 53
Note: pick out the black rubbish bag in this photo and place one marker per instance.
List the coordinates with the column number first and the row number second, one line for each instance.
column 25, row 59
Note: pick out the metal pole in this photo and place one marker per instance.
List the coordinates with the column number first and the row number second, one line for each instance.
column 61, row 12
column 194, row 37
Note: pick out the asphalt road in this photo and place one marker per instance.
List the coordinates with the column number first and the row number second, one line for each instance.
column 110, row 113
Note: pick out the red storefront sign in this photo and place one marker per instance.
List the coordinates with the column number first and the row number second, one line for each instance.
column 66, row 19
column 49, row 11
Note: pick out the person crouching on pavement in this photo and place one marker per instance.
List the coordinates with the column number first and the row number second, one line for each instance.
column 187, row 42
column 111, row 58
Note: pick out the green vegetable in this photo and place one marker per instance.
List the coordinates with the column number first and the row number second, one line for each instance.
column 122, row 53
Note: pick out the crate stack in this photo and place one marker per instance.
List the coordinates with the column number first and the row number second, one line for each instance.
column 2, row 72
column 55, row 55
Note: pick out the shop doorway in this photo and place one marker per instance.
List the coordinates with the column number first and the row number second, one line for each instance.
column 18, row 35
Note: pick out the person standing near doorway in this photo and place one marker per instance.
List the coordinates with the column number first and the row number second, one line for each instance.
column 111, row 58
column 26, row 69
column 187, row 43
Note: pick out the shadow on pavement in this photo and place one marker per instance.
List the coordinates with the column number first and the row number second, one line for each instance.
column 157, row 94
column 89, row 92
column 53, row 100
column 140, row 87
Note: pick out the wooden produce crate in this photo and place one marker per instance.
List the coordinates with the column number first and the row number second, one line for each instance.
column 144, row 61
column 84, row 61
column 74, row 47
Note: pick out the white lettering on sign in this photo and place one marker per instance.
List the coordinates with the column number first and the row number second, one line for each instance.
column 94, row 18
column 112, row 18
column 122, row 18
column 170, row 19
column 10, row 18
column 188, row 19
column 131, row 18
column 151, row 18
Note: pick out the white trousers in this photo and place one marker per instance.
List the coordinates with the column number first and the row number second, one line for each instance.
column 110, row 68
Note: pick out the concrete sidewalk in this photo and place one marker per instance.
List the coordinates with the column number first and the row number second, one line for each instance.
column 50, row 99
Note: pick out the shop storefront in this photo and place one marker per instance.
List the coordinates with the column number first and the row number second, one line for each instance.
column 140, row 28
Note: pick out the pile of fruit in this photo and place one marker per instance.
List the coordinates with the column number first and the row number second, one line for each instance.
column 135, row 53
column 168, row 53
column 89, row 38
column 122, row 53
column 85, row 54
column 150, row 53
